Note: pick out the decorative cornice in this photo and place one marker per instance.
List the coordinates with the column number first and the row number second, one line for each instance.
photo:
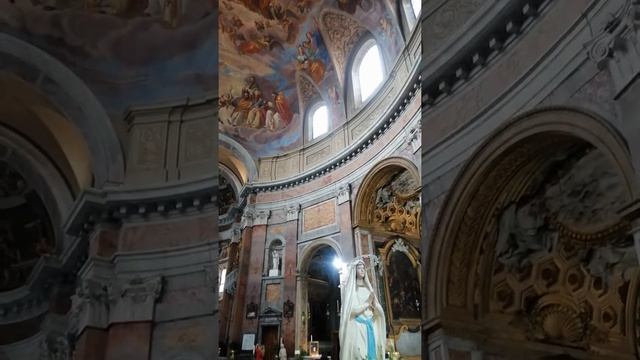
column 119, row 205
column 364, row 143
column 32, row 299
column 493, row 39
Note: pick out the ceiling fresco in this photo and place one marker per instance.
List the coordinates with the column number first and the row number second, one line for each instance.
column 127, row 51
column 279, row 57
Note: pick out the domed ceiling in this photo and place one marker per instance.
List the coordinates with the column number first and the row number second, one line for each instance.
column 129, row 52
column 282, row 56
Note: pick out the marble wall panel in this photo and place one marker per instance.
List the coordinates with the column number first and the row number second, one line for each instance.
column 168, row 233
column 320, row 215
column 129, row 341
column 185, row 339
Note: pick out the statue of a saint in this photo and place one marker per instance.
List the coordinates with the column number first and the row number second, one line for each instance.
column 274, row 257
column 362, row 322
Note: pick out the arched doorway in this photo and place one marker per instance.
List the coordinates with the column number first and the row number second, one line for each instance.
column 531, row 252
column 388, row 210
column 319, row 293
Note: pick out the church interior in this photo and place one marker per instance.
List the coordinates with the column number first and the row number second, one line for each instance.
column 108, row 214
column 530, row 167
column 319, row 179
column 319, row 152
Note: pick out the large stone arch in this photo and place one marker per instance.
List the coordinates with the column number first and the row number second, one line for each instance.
column 379, row 175
column 461, row 251
column 75, row 100
column 43, row 176
column 237, row 159
column 306, row 254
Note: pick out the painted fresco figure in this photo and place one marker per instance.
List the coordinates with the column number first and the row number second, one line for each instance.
column 273, row 120
column 362, row 322
column 282, row 107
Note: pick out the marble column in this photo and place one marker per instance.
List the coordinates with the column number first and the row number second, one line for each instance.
column 289, row 273
column 255, row 268
column 345, row 222
column 239, row 304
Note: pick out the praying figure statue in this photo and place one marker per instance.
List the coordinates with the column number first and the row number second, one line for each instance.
column 274, row 258
column 362, row 322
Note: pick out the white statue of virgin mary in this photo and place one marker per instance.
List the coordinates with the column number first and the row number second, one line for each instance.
column 362, row 322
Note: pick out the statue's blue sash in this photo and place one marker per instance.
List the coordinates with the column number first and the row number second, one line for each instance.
column 371, row 341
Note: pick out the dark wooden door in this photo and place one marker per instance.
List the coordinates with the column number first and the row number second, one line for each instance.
column 270, row 341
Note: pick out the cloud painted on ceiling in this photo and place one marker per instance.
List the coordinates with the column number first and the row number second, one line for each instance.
column 129, row 52
column 275, row 64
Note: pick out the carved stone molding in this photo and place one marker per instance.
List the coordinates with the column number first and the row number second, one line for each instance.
column 557, row 321
column 414, row 136
column 399, row 245
column 54, row 347
column 134, row 299
column 117, row 206
column 262, row 217
column 293, row 212
column 89, row 306
column 618, row 41
column 236, row 235
column 248, row 217
column 344, row 193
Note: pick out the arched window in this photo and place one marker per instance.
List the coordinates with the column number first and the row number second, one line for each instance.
column 411, row 9
column 319, row 120
column 222, row 278
column 416, row 5
column 367, row 72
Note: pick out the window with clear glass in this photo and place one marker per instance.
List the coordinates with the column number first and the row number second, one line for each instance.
column 223, row 275
column 319, row 121
column 416, row 5
column 370, row 72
